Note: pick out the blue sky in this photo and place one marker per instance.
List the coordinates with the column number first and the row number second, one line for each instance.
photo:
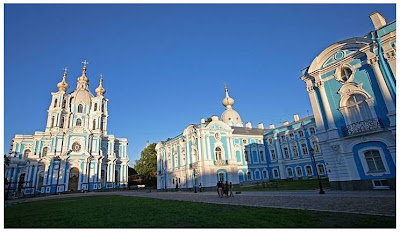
column 164, row 66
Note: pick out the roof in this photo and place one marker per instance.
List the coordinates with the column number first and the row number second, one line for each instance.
column 248, row 131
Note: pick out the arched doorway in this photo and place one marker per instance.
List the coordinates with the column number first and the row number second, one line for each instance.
column 73, row 179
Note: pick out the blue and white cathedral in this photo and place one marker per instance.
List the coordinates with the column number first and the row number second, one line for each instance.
column 75, row 152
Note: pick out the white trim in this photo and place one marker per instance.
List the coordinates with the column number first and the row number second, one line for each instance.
column 364, row 164
column 273, row 173
column 312, row 171
column 302, row 174
column 288, row 172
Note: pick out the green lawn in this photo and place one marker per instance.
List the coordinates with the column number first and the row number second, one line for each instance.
column 131, row 212
column 308, row 184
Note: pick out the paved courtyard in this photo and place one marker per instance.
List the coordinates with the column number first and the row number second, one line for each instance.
column 362, row 202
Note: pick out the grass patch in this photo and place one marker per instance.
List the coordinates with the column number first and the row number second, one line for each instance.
column 135, row 212
column 309, row 184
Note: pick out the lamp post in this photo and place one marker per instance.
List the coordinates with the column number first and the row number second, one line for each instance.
column 89, row 161
column 194, row 176
column 321, row 190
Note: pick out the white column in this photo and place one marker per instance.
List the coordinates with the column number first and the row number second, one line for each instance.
column 326, row 106
column 314, row 104
column 384, row 89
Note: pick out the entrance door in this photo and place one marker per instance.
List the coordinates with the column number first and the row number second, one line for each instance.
column 221, row 177
column 73, row 179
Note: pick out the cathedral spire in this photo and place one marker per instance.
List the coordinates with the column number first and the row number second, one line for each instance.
column 83, row 81
column 100, row 90
column 227, row 101
column 63, row 86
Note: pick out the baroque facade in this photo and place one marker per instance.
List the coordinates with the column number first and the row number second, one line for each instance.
column 224, row 149
column 352, row 89
column 74, row 153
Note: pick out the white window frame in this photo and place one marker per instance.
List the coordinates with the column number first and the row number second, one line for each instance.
column 312, row 171
column 273, row 173
column 287, row 171
column 321, row 173
column 364, row 164
column 297, row 174
column 266, row 172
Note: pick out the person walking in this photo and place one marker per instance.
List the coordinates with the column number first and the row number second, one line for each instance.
column 220, row 187
column 230, row 189
column 226, row 188
column 200, row 187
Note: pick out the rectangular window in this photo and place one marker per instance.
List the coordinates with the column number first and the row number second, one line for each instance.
column 299, row 172
column 304, row 149
column 295, row 152
column 244, row 141
column 301, row 134
column 276, row 174
column 312, row 130
column 283, row 138
column 265, row 174
column 309, row 171
column 291, row 136
column 316, row 146
column 246, row 156
column 374, row 161
column 290, row 172
column 273, row 156
column 321, row 169
column 262, row 156
column 286, row 152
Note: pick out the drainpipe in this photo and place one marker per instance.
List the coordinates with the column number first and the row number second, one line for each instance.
column 386, row 70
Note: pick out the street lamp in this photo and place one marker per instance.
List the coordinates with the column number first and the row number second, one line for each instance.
column 321, row 190
column 194, row 176
column 89, row 162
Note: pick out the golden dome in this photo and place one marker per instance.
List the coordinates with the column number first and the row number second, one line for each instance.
column 63, row 86
column 100, row 90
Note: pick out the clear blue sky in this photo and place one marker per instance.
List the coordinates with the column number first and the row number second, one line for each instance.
column 164, row 65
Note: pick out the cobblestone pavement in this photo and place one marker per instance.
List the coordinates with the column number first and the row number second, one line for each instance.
column 361, row 202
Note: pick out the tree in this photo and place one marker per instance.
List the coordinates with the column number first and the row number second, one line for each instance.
column 147, row 165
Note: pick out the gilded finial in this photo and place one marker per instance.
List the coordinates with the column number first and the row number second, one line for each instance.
column 100, row 90
column 63, row 86
column 85, row 63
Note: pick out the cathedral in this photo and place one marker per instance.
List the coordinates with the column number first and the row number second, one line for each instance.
column 75, row 152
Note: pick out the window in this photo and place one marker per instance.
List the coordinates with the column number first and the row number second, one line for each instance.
column 316, row 146
column 357, row 109
column 246, row 156
column 374, row 161
column 70, row 102
column 262, row 156
column 304, row 149
column 260, row 141
column 52, row 121
column 273, row 156
column 321, row 169
column 290, row 172
column 265, row 174
column 55, row 103
column 309, row 170
column 299, row 171
column 270, row 141
column 44, row 152
column 301, row 134
column 282, row 138
column 27, row 153
column 78, row 122
column 312, row 130
column 94, row 124
column 380, row 184
column 295, row 152
column 286, row 152
column 95, row 106
column 249, row 175
column 64, row 103
column 244, row 141
column 291, row 136
column 62, row 122
column 218, row 153
column 276, row 173
column 80, row 108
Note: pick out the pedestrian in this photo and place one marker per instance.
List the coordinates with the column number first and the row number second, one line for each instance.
column 226, row 188
column 200, row 187
column 220, row 186
column 230, row 189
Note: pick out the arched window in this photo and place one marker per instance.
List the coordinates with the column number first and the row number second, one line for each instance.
column 308, row 170
column 94, row 124
column 27, row 153
column 249, row 175
column 95, row 106
column 64, row 103
column 246, row 156
column 44, row 152
column 321, row 169
column 262, row 156
column 40, row 180
column 52, row 121
column 374, row 161
column 78, row 122
column 80, row 108
column 357, row 109
column 218, row 153
column 276, row 173
column 55, row 103
column 70, row 102
column 290, row 172
column 62, row 122
column 299, row 171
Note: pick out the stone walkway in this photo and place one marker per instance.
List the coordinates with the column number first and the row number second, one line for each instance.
column 360, row 202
